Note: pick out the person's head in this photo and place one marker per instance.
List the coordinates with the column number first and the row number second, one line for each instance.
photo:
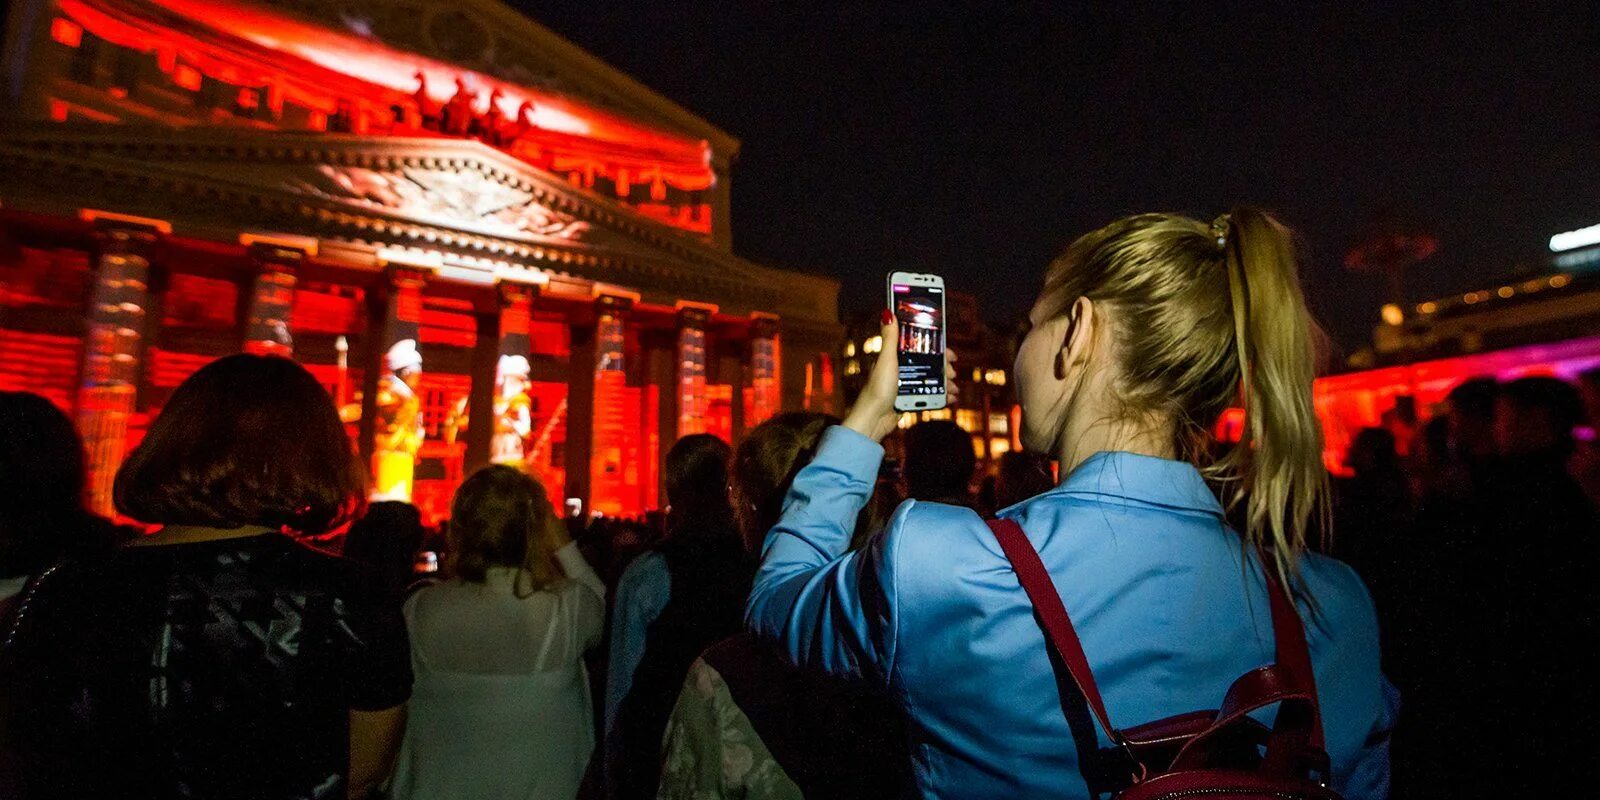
column 1149, row 328
column 404, row 359
column 1372, row 453
column 247, row 440
column 766, row 463
column 1022, row 476
column 41, row 496
column 387, row 537
column 1471, row 413
column 513, row 371
column 1535, row 416
column 502, row 518
column 1433, row 444
column 697, row 477
column 939, row 461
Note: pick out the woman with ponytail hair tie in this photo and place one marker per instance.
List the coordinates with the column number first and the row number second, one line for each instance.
column 1145, row 332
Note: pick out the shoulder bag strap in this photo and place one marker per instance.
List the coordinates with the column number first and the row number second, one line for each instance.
column 1058, row 630
column 1292, row 652
column 1288, row 632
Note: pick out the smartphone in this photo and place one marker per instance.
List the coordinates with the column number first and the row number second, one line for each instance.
column 917, row 301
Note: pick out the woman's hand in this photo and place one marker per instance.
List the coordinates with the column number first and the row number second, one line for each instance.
column 873, row 415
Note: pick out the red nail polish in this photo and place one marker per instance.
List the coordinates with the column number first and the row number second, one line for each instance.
column 886, row 317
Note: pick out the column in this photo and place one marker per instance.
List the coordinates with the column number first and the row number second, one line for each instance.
column 581, row 362
column 660, row 348
column 595, row 387
column 765, row 399
column 113, row 349
column 610, row 414
column 731, row 359
column 269, row 310
column 396, row 401
column 469, row 423
column 692, row 402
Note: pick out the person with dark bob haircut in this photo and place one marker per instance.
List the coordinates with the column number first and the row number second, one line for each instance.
column 247, row 441
column 218, row 656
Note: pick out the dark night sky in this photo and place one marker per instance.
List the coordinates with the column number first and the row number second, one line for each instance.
column 977, row 139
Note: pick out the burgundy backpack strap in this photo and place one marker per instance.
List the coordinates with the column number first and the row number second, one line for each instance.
column 1293, row 653
column 1058, row 630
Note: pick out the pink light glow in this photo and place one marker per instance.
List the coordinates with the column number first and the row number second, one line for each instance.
column 1348, row 403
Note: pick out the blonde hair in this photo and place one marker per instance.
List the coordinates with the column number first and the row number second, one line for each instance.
column 1208, row 317
column 503, row 518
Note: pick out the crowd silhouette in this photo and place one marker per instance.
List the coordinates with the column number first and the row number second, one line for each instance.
column 802, row 620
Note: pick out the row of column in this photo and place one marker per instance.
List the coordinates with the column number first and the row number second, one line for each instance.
column 391, row 429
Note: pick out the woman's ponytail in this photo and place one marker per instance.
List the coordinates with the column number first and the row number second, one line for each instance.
column 1276, row 468
column 1210, row 318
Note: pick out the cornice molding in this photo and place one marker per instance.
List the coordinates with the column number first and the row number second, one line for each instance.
column 261, row 174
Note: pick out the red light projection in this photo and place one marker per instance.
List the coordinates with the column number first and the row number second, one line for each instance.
column 291, row 74
column 546, row 456
column 66, row 32
column 41, row 363
column 1347, row 403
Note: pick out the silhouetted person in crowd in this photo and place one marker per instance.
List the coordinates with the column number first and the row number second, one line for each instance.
column 1022, row 476
column 939, row 463
column 1471, row 411
column 1491, row 597
column 387, row 538
column 42, row 517
column 1372, row 508
column 217, row 657
column 1544, row 533
column 747, row 724
column 672, row 602
column 503, row 708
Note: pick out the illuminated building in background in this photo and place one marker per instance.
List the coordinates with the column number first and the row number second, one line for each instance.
column 186, row 179
column 1540, row 324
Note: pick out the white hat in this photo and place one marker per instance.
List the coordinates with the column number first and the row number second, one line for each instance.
column 403, row 355
column 511, row 365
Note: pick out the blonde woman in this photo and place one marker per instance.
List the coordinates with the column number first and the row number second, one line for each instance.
column 1146, row 330
column 501, row 708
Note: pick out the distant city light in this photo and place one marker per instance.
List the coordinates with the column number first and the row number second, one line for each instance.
column 1572, row 240
column 872, row 345
column 1392, row 314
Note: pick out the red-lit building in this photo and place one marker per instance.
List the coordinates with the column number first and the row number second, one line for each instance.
column 1540, row 324
column 184, row 179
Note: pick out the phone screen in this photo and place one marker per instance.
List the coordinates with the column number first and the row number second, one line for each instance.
column 919, row 310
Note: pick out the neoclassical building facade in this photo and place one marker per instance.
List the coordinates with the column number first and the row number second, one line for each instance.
column 473, row 232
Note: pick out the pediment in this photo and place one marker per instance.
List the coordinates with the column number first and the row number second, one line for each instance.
column 451, row 194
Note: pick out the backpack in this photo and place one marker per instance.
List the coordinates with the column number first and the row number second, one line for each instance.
column 1223, row 754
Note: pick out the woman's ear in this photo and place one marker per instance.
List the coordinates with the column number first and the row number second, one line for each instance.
column 1078, row 341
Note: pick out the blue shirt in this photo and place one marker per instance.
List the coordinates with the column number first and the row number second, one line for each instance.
column 1169, row 609
column 642, row 593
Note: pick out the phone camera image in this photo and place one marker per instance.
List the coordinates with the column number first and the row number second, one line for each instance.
column 919, row 313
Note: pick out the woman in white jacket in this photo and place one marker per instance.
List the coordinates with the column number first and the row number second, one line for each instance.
column 501, row 708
